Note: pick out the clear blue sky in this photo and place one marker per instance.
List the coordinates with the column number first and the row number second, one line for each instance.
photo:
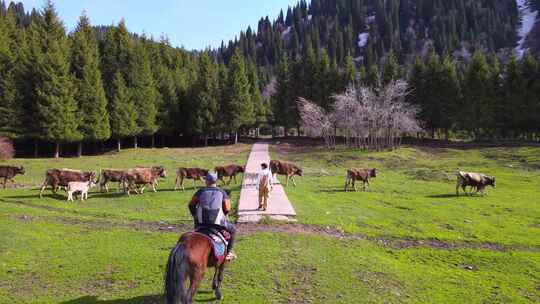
column 193, row 24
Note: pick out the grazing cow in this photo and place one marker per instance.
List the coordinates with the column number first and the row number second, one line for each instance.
column 82, row 187
column 9, row 172
column 142, row 177
column 229, row 171
column 285, row 168
column 476, row 181
column 189, row 173
column 363, row 175
column 57, row 178
column 110, row 175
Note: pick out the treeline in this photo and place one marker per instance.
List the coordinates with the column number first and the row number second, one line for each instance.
column 96, row 84
column 483, row 98
column 368, row 29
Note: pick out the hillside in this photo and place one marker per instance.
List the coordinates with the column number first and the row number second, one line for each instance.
column 369, row 29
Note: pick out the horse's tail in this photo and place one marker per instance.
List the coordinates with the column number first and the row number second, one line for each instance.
column 177, row 268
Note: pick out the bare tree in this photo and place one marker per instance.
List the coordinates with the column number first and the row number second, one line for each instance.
column 367, row 118
column 6, row 148
column 316, row 122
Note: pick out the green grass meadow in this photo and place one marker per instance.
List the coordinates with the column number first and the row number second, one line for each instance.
column 112, row 249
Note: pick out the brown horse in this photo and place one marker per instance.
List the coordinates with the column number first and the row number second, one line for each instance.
column 190, row 258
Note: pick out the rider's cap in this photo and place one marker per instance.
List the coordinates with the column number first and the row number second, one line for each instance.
column 211, row 177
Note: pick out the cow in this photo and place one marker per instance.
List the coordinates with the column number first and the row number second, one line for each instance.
column 229, row 171
column 142, row 177
column 285, row 168
column 476, row 181
column 57, row 178
column 9, row 172
column 110, row 175
column 82, row 187
column 189, row 173
column 363, row 175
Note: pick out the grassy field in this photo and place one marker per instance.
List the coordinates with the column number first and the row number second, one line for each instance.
column 407, row 240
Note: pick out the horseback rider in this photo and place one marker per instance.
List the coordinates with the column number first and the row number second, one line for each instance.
column 210, row 207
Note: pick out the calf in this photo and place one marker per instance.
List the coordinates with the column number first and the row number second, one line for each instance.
column 76, row 187
column 9, row 172
column 189, row 173
column 142, row 177
column 110, row 175
column 363, row 175
column 285, row 168
column 57, row 178
column 476, row 181
column 229, row 171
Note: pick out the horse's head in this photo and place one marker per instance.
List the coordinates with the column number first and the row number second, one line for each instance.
column 373, row 172
column 20, row 170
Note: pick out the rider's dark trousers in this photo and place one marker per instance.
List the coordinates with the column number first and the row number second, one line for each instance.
column 232, row 231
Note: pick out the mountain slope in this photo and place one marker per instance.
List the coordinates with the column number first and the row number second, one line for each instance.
column 369, row 29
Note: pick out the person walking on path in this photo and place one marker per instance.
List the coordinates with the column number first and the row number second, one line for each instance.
column 265, row 182
column 210, row 207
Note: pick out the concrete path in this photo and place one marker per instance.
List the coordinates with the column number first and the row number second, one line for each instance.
column 279, row 206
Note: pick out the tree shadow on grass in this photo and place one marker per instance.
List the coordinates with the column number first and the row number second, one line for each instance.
column 106, row 195
column 331, row 190
column 153, row 299
column 452, row 195
column 57, row 196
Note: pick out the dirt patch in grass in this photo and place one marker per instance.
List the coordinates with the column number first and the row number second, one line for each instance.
column 512, row 158
column 425, row 174
column 390, row 242
column 30, row 283
column 300, row 229
column 381, row 283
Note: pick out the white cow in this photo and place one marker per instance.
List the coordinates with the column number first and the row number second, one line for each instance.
column 82, row 187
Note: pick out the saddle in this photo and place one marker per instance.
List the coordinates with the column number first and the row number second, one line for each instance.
column 218, row 237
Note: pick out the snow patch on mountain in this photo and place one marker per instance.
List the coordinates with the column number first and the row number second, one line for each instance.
column 363, row 39
column 528, row 17
column 286, row 32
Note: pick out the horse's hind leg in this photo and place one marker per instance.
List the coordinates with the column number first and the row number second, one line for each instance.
column 195, row 277
column 218, row 279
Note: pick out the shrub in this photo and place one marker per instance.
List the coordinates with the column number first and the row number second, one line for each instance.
column 6, row 148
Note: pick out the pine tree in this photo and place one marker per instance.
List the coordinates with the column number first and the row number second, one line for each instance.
column 259, row 106
column 391, row 69
column 90, row 93
column 239, row 109
column 205, row 106
column 11, row 107
column 508, row 111
column 349, row 76
column 143, row 90
column 115, row 55
column 122, row 113
column 477, row 95
column 55, row 102
column 449, row 94
column 373, row 78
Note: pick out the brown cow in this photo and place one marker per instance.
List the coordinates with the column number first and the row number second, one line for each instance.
column 229, row 171
column 9, row 172
column 285, row 168
column 110, row 175
column 476, row 181
column 57, row 178
column 189, row 173
column 363, row 175
column 142, row 177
